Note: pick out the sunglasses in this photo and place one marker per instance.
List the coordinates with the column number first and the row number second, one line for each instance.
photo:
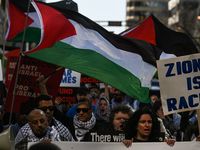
column 51, row 108
column 85, row 110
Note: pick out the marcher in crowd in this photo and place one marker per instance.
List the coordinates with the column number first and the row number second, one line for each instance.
column 119, row 116
column 167, row 121
column 94, row 92
column 45, row 103
column 83, row 92
column 102, row 112
column 36, row 130
column 62, row 106
column 84, row 120
column 119, row 98
column 142, row 127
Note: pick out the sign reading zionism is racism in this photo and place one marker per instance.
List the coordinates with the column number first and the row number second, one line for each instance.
column 180, row 83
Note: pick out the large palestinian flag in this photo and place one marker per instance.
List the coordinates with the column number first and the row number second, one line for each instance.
column 153, row 31
column 70, row 40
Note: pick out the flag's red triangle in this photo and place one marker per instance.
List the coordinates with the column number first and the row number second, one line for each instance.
column 17, row 21
column 144, row 31
column 14, row 52
column 56, row 21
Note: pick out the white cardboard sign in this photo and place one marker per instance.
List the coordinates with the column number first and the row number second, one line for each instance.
column 70, row 78
column 179, row 80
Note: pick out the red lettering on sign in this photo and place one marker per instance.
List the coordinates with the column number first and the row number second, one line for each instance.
column 68, row 99
column 65, row 91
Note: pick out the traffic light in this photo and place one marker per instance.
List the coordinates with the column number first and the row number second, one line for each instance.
column 114, row 23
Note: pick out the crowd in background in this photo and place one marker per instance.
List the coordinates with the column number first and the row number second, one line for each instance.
column 98, row 109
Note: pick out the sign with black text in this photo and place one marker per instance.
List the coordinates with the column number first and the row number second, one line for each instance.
column 106, row 136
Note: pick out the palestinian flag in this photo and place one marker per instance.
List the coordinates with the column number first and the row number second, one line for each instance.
column 73, row 41
column 17, row 13
column 172, row 42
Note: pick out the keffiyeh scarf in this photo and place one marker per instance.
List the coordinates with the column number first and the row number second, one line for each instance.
column 81, row 128
column 26, row 133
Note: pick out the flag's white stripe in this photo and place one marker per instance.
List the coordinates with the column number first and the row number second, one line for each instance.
column 8, row 31
column 34, row 16
column 129, row 31
column 166, row 56
column 40, row 20
column 87, row 39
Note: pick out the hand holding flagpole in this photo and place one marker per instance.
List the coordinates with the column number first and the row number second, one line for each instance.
column 43, row 79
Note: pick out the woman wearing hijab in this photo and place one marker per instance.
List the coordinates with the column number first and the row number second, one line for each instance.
column 102, row 110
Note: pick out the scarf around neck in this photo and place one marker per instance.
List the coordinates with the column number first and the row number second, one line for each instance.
column 81, row 128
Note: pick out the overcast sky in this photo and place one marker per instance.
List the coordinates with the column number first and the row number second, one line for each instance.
column 103, row 10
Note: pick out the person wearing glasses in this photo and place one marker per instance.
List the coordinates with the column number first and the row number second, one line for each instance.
column 84, row 120
column 36, row 130
column 83, row 92
column 45, row 103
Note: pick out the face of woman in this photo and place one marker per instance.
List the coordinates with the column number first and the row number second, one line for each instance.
column 144, row 127
column 103, row 107
column 119, row 121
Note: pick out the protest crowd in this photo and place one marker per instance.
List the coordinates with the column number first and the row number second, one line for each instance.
column 121, row 111
column 105, row 112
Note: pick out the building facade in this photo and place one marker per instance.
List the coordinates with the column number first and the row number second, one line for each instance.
column 138, row 10
column 183, row 17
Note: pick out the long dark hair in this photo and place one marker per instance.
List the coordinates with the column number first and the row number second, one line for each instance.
column 132, row 124
column 156, row 107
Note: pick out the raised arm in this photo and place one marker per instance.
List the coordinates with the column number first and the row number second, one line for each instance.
column 42, row 84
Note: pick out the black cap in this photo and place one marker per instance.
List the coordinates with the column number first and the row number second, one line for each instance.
column 83, row 90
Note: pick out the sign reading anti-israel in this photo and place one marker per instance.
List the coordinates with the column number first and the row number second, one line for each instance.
column 70, row 79
column 179, row 80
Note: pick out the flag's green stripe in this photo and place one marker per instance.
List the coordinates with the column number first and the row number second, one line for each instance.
column 89, row 63
column 156, row 75
column 32, row 35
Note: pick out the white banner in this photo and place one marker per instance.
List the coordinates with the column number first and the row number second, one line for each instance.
column 179, row 80
column 70, row 78
column 120, row 146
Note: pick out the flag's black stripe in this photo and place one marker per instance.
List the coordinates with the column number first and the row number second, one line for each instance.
column 173, row 42
column 22, row 5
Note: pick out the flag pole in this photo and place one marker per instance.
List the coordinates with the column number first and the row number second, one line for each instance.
column 4, row 39
column 13, row 99
column 51, row 73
